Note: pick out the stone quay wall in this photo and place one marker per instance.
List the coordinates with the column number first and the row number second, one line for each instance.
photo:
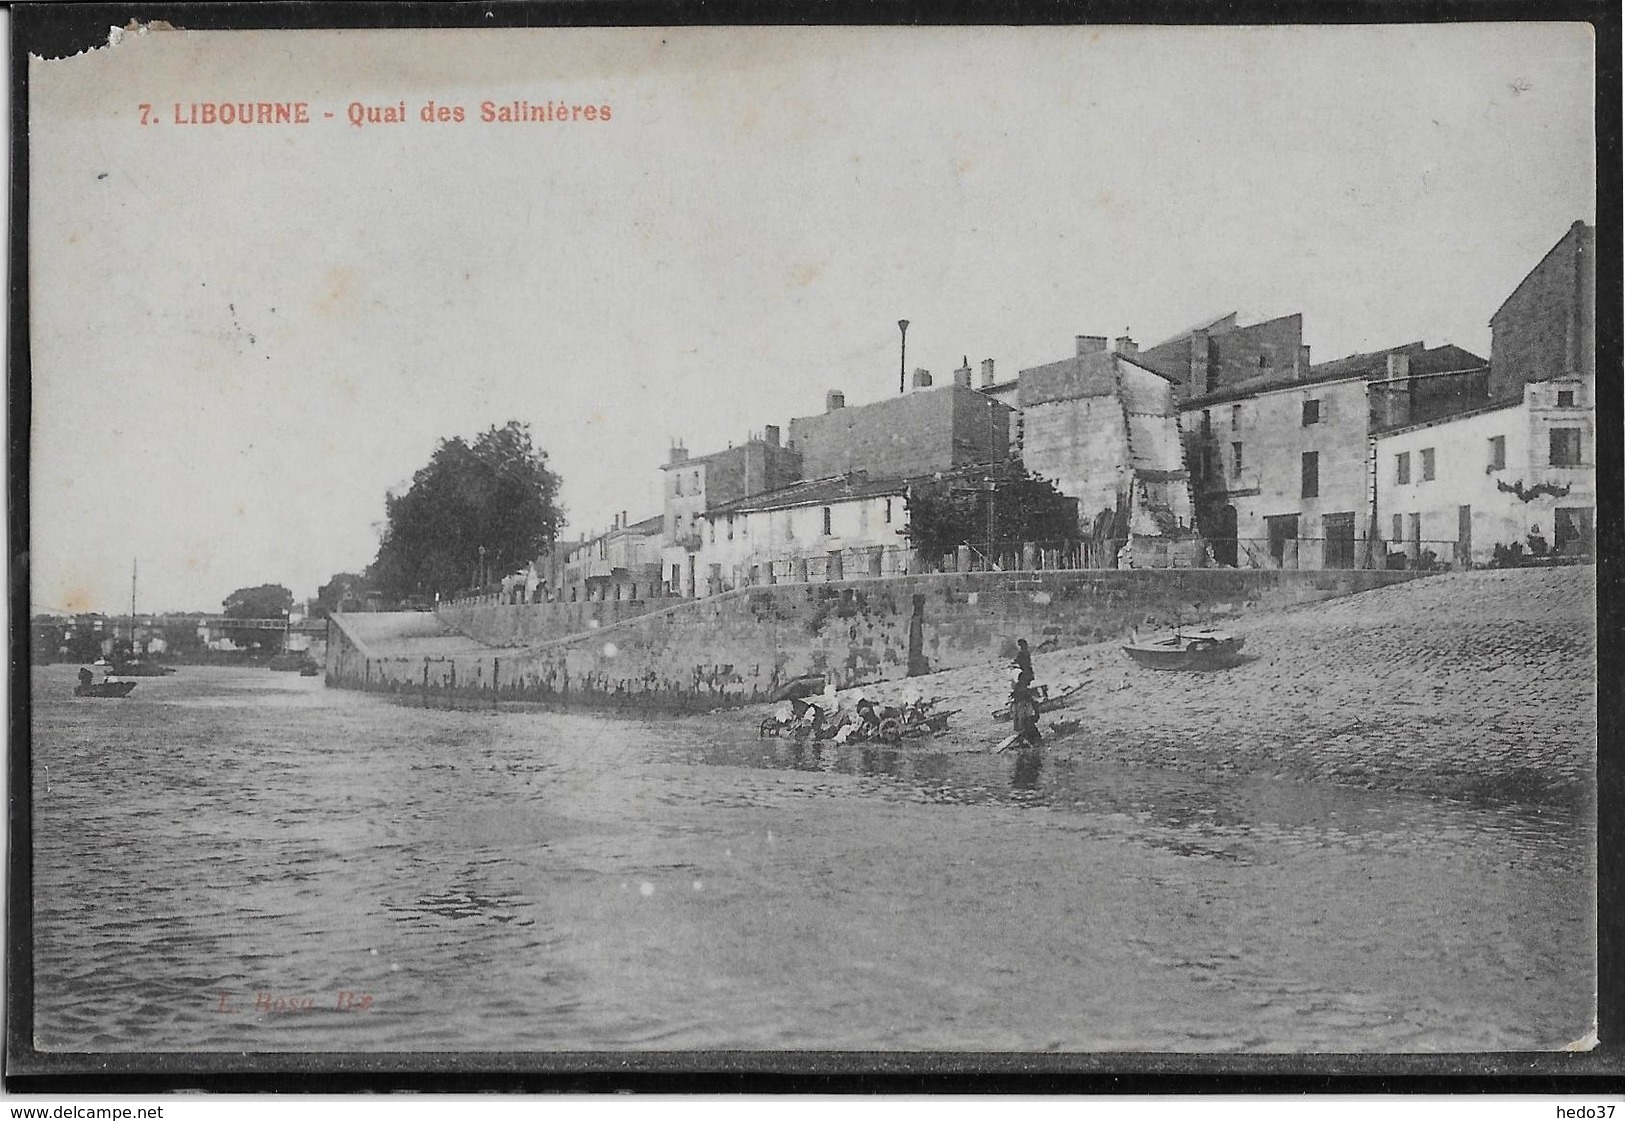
column 529, row 624
column 740, row 647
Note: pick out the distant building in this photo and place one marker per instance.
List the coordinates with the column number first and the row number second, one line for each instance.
column 622, row 563
column 1103, row 426
column 694, row 485
column 929, row 429
column 1546, row 330
column 842, row 527
column 1283, row 471
column 1459, row 487
column 1414, row 383
column 1221, row 356
column 1004, row 392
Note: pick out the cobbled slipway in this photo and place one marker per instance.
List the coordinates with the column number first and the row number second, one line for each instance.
column 1474, row 684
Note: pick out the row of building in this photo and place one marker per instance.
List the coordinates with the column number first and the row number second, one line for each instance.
column 1224, row 444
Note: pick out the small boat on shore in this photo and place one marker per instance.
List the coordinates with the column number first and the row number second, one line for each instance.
column 104, row 689
column 1186, row 648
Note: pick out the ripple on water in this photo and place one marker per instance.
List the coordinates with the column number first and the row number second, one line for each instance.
column 227, row 832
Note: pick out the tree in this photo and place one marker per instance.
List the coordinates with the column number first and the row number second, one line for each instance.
column 475, row 512
column 953, row 509
column 268, row 601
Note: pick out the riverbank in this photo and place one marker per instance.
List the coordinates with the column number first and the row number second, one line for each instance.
column 1475, row 684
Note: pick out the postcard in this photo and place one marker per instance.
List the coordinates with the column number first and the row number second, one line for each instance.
column 838, row 548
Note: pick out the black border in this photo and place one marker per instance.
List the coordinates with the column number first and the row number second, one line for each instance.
column 60, row 29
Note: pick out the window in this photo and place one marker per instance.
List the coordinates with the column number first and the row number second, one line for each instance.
column 730, row 527
column 1427, row 464
column 1311, row 474
column 1207, row 422
column 1565, row 398
column 1263, row 361
column 1399, row 528
column 1235, row 417
column 1235, row 460
column 826, row 521
column 1311, row 412
column 888, row 511
column 1498, row 452
column 1402, row 467
column 1565, row 447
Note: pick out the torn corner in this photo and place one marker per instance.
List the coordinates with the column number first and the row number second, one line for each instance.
column 115, row 35
column 1586, row 1042
column 82, row 45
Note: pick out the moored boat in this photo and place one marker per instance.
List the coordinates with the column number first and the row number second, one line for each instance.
column 104, row 689
column 1186, row 648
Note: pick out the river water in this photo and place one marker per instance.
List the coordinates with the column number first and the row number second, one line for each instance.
column 246, row 860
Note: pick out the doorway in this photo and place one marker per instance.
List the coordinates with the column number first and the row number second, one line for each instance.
column 1339, row 530
column 1283, row 528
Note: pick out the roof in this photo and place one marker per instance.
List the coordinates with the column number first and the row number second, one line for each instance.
column 1136, row 360
column 1445, row 359
column 732, row 450
column 1577, row 227
column 1203, row 326
column 814, row 492
column 1093, row 374
column 1383, row 434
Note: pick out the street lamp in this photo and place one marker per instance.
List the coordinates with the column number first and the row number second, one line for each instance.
column 479, row 577
column 902, row 354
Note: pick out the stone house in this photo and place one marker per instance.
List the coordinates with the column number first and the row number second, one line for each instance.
column 1459, row 487
column 692, row 486
column 836, row 528
column 623, row 563
column 1546, row 330
column 1283, row 471
column 1103, row 426
column 931, row 428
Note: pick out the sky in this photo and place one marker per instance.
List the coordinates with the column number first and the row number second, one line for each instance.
column 244, row 337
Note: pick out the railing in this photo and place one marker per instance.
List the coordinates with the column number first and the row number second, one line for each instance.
column 1428, row 554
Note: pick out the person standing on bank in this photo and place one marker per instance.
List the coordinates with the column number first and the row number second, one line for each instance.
column 1023, row 664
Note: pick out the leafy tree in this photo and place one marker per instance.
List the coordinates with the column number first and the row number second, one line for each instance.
column 496, row 494
column 952, row 509
column 268, row 601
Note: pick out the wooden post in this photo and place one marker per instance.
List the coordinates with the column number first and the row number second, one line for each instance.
column 496, row 666
column 425, row 681
column 451, row 694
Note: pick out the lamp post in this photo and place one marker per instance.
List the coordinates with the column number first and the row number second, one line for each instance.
column 479, row 577
column 902, row 355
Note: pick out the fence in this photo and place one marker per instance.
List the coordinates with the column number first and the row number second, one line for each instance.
column 877, row 561
column 1337, row 552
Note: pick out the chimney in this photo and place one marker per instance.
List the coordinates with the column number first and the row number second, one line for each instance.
column 962, row 375
column 987, row 372
column 922, row 379
column 678, row 453
column 1126, row 345
column 1399, row 365
column 1201, row 367
column 770, row 434
column 833, row 400
column 1091, row 344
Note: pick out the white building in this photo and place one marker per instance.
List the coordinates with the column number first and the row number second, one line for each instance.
column 837, row 528
column 1459, row 487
